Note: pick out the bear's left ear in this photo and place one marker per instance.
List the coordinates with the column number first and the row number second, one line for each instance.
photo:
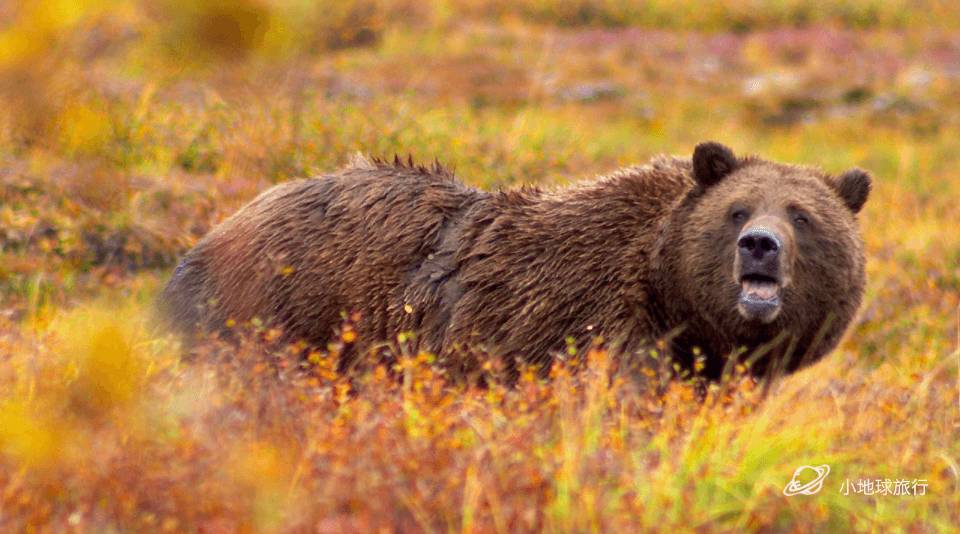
column 711, row 162
column 853, row 187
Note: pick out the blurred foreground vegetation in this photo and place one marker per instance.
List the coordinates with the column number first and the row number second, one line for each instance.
column 130, row 128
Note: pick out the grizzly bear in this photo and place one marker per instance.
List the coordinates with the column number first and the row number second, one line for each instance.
column 713, row 257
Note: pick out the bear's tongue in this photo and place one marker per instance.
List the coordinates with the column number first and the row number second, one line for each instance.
column 760, row 289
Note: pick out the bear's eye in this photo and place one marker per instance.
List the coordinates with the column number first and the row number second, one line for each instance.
column 801, row 219
column 739, row 216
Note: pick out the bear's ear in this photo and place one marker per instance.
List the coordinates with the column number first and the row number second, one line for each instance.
column 711, row 162
column 853, row 187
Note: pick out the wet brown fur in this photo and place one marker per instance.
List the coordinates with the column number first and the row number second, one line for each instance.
column 640, row 254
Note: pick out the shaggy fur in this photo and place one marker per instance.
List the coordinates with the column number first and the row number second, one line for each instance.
column 642, row 254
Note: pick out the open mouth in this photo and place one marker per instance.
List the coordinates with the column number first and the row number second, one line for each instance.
column 759, row 297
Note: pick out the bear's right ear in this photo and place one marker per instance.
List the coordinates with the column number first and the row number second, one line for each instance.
column 711, row 162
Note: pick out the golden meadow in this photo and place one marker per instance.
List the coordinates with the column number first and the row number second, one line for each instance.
column 129, row 128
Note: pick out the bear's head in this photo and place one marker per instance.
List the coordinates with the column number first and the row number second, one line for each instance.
column 767, row 256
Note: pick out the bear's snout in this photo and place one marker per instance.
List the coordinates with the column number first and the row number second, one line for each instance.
column 760, row 252
column 761, row 269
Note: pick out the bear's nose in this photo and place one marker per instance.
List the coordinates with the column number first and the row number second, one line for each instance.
column 759, row 246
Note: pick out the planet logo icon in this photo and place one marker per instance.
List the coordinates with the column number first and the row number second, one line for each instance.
column 796, row 486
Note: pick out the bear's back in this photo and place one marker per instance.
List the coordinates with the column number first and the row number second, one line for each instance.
column 304, row 251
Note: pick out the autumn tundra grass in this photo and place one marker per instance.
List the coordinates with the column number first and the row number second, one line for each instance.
column 130, row 128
